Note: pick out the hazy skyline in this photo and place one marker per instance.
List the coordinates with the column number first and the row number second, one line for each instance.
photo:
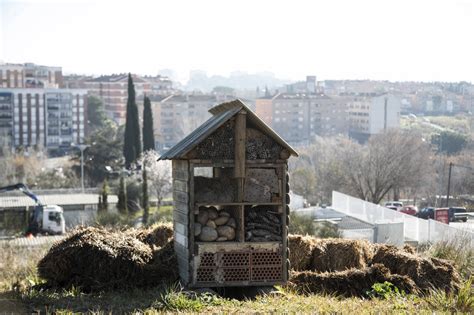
column 394, row 40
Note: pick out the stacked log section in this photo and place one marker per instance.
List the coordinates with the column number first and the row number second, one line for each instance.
column 262, row 224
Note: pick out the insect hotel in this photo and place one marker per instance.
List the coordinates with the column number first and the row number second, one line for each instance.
column 230, row 191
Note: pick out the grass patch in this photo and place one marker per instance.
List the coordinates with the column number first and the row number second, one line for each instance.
column 118, row 220
column 462, row 301
column 161, row 214
column 460, row 250
column 21, row 288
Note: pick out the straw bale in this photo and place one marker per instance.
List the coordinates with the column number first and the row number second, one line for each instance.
column 340, row 254
column 301, row 251
column 427, row 273
column 351, row 282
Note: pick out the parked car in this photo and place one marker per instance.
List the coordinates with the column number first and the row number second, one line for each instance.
column 457, row 214
column 427, row 213
column 397, row 204
column 392, row 207
column 411, row 210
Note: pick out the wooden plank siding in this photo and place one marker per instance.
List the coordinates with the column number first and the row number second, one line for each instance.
column 181, row 222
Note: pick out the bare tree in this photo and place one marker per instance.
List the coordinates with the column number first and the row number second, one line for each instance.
column 19, row 167
column 158, row 173
column 394, row 159
column 319, row 170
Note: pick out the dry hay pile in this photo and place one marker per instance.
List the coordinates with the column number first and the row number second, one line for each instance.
column 94, row 258
column 427, row 273
column 351, row 282
column 351, row 267
column 301, row 251
column 156, row 235
column 334, row 254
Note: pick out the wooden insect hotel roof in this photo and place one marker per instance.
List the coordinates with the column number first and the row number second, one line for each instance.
column 221, row 114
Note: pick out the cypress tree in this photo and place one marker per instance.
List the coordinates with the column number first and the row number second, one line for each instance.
column 99, row 206
column 132, row 144
column 148, row 137
column 145, row 205
column 105, row 194
column 122, row 197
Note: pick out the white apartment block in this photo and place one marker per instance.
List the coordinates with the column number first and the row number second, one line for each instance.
column 50, row 118
column 370, row 115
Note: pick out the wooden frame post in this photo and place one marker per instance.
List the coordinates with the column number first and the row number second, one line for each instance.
column 239, row 160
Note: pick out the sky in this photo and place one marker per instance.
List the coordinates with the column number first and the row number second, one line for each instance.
column 397, row 40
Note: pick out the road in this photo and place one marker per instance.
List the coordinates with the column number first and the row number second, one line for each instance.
column 31, row 241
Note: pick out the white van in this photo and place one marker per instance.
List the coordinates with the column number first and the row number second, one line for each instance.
column 397, row 204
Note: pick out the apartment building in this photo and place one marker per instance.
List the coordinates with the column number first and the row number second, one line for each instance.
column 113, row 91
column 372, row 114
column 50, row 118
column 299, row 117
column 175, row 116
column 30, row 75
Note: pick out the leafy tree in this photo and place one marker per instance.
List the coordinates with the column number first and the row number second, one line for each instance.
column 301, row 224
column 122, row 197
column 132, row 145
column 450, row 142
column 148, row 136
column 326, row 230
column 104, row 150
column 145, row 204
column 96, row 113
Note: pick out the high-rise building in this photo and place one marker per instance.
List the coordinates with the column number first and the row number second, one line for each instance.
column 50, row 118
column 30, row 75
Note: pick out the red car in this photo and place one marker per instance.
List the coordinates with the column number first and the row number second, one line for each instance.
column 411, row 210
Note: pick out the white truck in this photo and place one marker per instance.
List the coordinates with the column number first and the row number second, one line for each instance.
column 45, row 219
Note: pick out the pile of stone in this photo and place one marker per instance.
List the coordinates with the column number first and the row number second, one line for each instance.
column 212, row 225
column 262, row 224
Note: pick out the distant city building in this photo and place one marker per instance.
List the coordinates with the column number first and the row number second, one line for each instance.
column 298, row 118
column 308, row 86
column 50, row 118
column 175, row 116
column 369, row 115
column 113, row 91
column 30, row 75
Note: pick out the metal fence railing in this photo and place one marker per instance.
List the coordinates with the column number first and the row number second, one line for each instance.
column 415, row 229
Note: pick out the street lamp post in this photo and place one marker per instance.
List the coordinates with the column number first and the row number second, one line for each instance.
column 82, row 147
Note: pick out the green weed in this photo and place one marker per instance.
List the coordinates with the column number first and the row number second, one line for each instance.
column 462, row 301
